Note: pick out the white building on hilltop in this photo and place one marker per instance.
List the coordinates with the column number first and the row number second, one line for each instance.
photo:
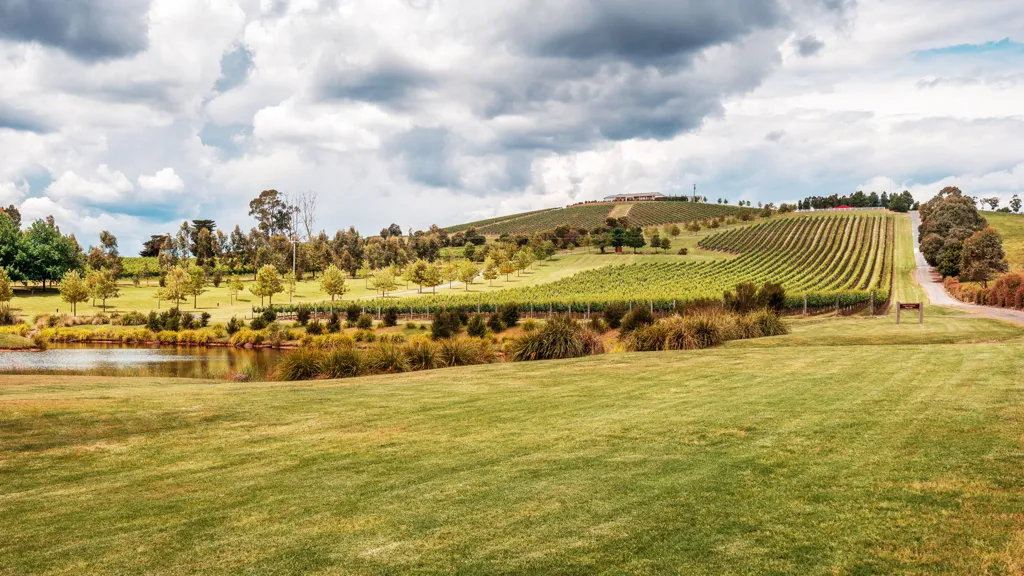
column 640, row 197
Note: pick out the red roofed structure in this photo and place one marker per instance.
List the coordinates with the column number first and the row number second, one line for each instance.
column 843, row 207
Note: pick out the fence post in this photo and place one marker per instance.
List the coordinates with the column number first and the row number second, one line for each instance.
column 872, row 313
column 805, row 304
column 837, row 304
column 920, row 313
column 897, row 312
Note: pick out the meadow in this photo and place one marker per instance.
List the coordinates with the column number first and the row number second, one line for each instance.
column 1011, row 227
column 805, row 456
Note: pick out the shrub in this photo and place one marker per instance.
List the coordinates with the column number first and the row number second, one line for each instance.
column 476, row 327
column 465, row 352
column 390, row 318
column 314, row 328
column 269, row 315
column 343, row 362
column 387, row 358
column 247, row 336
column 410, row 325
column 333, row 323
column 702, row 330
column 772, row 296
column 529, row 325
column 654, row 337
column 300, row 364
column 365, row 322
column 365, row 336
column 613, row 314
column 684, row 251
column 392, row 338
column 234, row 325
column 302, row 314
column 424, row 354
column 352, row 313
column 509, row 314
column 7, row 317
column 495, row 324
column 769, row 323
column 561, row 337
column 444, row 325
column 598, row 325
column 132, row 318
column 204, row 319
column 639, row 316
column 252, row 372
column 167, row 337
column 188, row 322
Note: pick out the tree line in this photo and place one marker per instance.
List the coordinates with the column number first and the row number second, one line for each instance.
column 957, row 240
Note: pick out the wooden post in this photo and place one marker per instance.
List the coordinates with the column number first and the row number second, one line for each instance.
column 837, row 304
column 920, row 313
column 872, row 312
column 805, row 304
column 898, row 307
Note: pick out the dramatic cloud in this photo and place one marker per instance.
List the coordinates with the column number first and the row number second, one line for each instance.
column 138, row 114
column 85, row 29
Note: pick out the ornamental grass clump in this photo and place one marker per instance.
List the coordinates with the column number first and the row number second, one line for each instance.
column 424, row 354
column 465, row 352
column 769, row 323
column 300, row 364
column 561, row 337
column 387, row 358
column 342, row 362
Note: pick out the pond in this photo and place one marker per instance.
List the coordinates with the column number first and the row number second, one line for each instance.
column 99, row 360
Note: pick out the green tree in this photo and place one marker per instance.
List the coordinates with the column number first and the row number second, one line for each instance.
column 102, row 285
column 6, row 290
column 45, row 255
column 635, row 239
column 197, row 283
column 10, row 243
column 290, row 282
column 268, row 283
column 666, row 243
column 982, row 257
column 73, row 290
column 673, row 231
column 1015, row 203
column 467, row 272
column 384, row 281
column 656, row 241
column 490, row 271
column 332, row 282
column 450, row 273
column 522, row 261
column 272, row 213
column 432, row 277
column 176, row 285
column 235, row 285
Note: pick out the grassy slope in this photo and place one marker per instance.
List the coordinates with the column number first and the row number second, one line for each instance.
column 215, row 301
column 805, row 459
column 1011, row 226
column 14, row 342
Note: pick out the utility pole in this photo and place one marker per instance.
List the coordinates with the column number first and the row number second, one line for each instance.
column 295, row 237
column 694, row 191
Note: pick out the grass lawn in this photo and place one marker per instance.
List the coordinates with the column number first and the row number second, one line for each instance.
column 879, row 456
column 1011, row 226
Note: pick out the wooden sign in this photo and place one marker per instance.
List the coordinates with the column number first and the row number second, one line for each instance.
column 901, row 306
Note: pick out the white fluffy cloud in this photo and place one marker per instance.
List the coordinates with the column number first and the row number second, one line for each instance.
column 436, row 112
column 165, row 180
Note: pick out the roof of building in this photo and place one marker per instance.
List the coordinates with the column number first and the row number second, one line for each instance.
column 635, row 194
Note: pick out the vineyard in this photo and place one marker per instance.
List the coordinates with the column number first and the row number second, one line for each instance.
column 584, row 216
column 659, row 213
column 481, row 223
column 831, row 260
column 590, row 216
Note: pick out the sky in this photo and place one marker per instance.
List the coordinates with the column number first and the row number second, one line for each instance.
column 133, row 115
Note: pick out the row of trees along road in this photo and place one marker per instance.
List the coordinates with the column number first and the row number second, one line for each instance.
column 956, row 239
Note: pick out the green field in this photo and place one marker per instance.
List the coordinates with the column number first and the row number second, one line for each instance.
column 14, row 342
column 592, row 215
column 1011, row 226
column 871, row 449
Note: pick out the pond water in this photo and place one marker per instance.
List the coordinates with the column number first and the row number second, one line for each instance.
column 102, row 360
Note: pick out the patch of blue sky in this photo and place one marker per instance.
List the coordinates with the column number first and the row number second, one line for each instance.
column 995, row 48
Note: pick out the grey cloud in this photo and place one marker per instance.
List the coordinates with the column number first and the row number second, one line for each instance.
column 224, row 137
column 809, row 46
column 387, row 81
column 644, row 30
column 86, row 30
column 775, row 136
column 21, row 120
column 427, row 155
column 235, row 67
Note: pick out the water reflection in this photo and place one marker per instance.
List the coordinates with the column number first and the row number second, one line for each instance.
column 119, row 361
